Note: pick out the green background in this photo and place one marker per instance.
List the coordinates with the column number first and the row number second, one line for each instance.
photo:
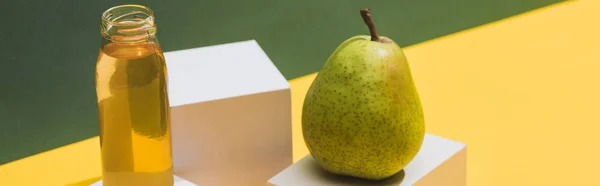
column 48, row 49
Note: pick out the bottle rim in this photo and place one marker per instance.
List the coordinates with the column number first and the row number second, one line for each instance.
column 128, row 23
column 109, row 18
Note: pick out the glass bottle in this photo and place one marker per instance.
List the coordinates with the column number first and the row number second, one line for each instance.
column 133, row 104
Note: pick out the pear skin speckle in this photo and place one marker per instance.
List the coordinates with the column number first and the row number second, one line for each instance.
column 362, row 115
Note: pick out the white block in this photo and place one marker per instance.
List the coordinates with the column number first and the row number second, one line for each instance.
column 440, row 162
column 231, row 115
column 177, row 182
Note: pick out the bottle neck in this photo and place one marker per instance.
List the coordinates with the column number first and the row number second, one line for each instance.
column 128, row 24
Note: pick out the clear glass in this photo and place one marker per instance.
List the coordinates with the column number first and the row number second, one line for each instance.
column 133, row 104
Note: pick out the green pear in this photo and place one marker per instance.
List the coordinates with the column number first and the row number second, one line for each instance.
column 362, row 116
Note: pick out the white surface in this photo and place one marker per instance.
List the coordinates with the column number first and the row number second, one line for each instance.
column 178, row 182
column 220, row 71
column 230, row 115
column 439, row 162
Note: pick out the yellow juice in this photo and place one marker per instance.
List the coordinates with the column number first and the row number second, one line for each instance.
column 134, row 115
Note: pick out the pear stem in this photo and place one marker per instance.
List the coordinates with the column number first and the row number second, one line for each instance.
column 366, row 15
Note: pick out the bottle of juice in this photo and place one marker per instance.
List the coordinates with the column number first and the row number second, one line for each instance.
column 133, row 104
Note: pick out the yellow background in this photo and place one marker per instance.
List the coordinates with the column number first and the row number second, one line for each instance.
column 522, row 93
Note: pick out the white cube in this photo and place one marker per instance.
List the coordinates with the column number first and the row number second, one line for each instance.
column 439, row 162
column 231, row 114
